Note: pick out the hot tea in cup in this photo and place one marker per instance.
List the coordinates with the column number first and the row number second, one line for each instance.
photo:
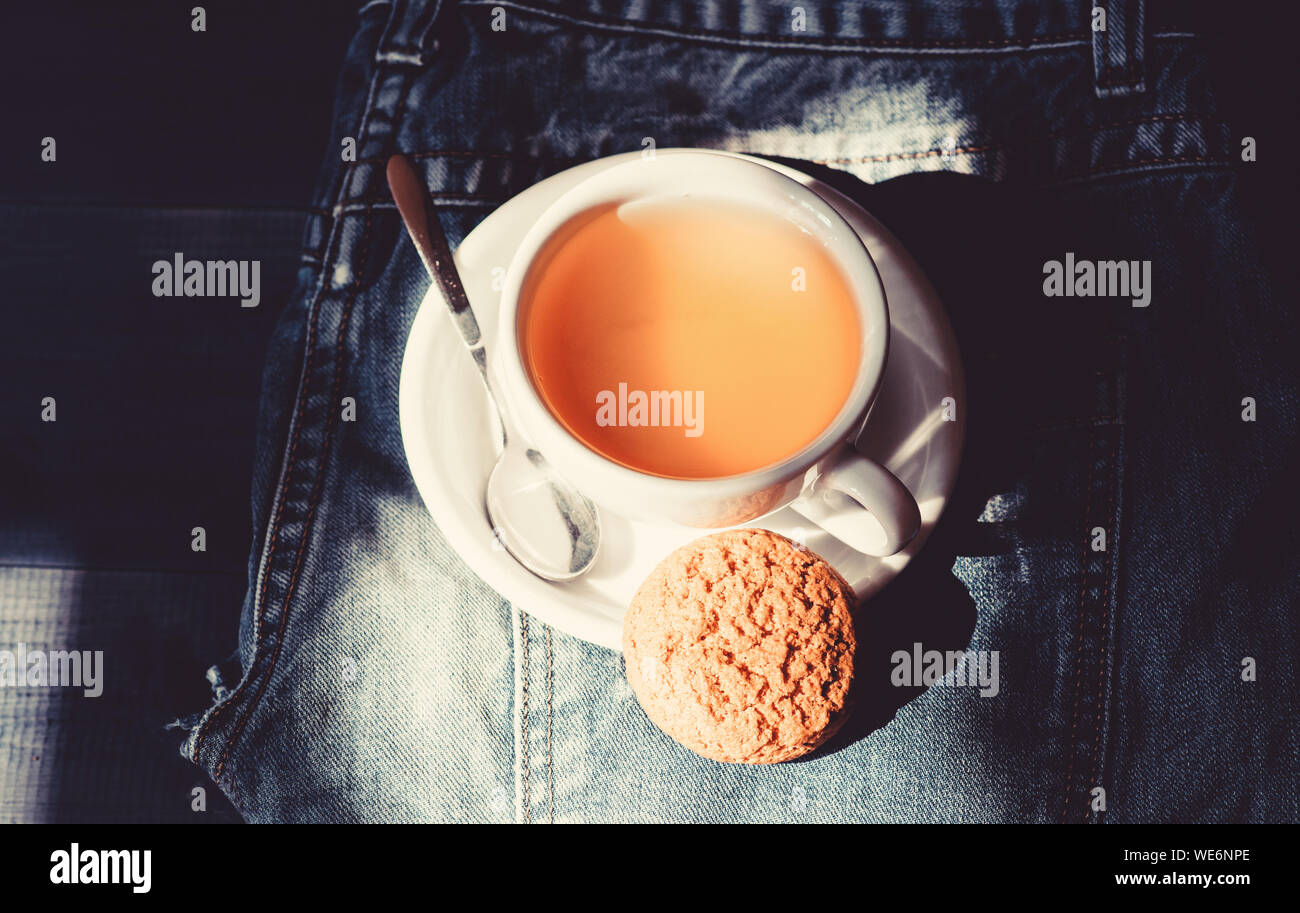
column 690, row 339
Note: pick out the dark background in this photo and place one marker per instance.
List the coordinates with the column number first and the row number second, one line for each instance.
column 206, row 143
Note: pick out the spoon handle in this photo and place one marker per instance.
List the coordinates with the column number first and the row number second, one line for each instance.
column 426, row 232
column 422, row 224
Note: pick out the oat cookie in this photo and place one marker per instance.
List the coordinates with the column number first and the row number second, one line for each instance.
column 740, row 646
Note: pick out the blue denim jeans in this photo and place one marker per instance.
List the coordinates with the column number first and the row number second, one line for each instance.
column 1150, row 679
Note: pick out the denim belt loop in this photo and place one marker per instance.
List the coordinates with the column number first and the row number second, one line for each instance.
column 1118, row 47
column 408, row 38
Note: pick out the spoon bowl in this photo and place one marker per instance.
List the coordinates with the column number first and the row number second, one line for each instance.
column 522, row 499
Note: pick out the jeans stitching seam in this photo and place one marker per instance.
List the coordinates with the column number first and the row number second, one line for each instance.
column 1105, row 622
column 1080, row 133
column 1116, row 482
column 1078, row 640
column 477, row 197
column 471, row 153
column 821, row 43
column 523, row 744
column 318, row 486
column 550, row 699
column 282, row 497
column 489, row 200
column 1138, row 163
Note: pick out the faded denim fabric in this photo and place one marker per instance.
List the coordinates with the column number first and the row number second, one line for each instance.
column 378, row 679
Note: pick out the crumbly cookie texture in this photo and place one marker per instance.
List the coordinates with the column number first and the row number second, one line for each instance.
column 740, row 646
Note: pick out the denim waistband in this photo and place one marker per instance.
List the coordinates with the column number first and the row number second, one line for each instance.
column 878, row 26
column 1144, row 68
column 1147, row 53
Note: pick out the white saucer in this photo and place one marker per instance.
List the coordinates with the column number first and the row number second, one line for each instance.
column 451, row 444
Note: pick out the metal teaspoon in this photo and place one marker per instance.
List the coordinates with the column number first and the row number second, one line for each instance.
column 547, row 525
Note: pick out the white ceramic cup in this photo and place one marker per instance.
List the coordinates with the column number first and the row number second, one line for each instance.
column 855, row 499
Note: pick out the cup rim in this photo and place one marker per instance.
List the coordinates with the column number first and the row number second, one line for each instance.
column 617, row 184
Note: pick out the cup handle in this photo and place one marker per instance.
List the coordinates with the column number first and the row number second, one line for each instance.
column 862, row 504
